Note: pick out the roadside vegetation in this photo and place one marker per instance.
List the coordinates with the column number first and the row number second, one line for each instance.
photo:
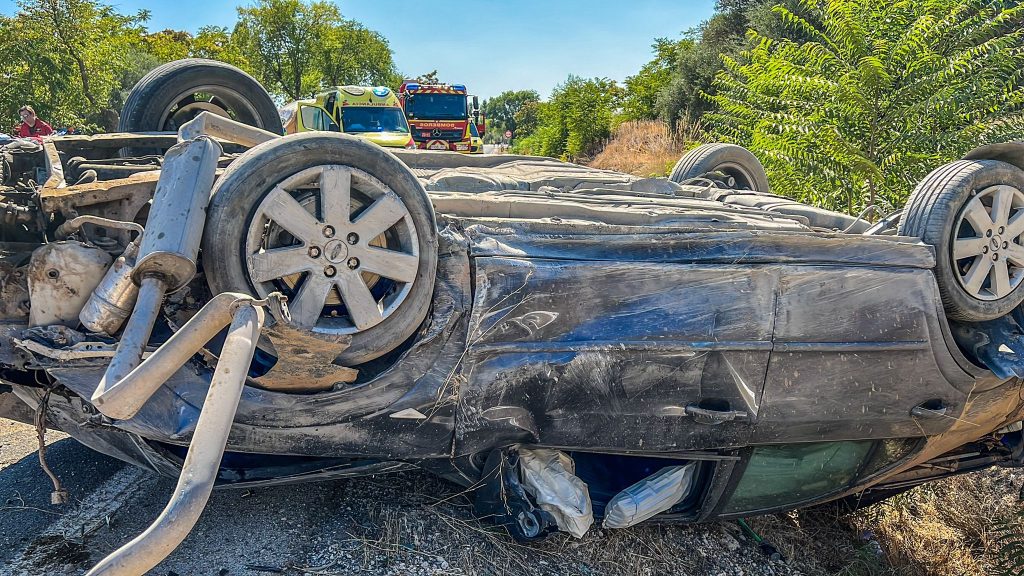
column 646, row 147
column 848, row 103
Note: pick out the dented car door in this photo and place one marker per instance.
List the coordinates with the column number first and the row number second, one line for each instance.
column 624, row 356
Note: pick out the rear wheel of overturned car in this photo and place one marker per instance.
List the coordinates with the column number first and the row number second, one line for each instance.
column 174, row 93
column 736, row 166
column 972, row 212
column 339, row 225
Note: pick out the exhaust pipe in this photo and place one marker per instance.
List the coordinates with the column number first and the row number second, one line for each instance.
column 166, row 262
column 126, row 396
column 226, row 129
column 204, row 454
column 168, row 252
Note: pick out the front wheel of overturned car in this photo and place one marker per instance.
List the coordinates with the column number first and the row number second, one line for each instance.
column 972, row 212
column 736, row 166
column 339, row 225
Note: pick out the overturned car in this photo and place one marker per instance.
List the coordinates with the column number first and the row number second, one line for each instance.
column 577, row 345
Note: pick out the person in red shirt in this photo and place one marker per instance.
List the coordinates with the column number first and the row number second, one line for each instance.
column 31, row 126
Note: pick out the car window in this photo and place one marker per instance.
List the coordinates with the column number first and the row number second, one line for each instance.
column 778, row 476
column 314, row 118
column 373, row 119
column 473, row 131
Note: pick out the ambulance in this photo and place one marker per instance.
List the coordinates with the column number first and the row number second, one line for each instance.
column 371, row 112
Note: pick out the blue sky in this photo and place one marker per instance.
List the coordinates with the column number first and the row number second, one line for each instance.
column 529, row 43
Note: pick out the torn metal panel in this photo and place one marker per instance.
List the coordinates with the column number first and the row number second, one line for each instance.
column 305, row 361
column 997, row 344
column 123, row 189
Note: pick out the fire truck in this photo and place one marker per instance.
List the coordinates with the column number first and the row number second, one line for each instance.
column 443, row 117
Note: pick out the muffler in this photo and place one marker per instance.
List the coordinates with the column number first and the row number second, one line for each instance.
column 168, row 252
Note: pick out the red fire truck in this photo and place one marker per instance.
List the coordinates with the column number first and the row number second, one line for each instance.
column 443, row 117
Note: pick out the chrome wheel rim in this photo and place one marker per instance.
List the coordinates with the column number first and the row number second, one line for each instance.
column 327, row 236
column 987, row 253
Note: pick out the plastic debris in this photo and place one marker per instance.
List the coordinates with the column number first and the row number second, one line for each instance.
column 650, row 496
column 549, row 476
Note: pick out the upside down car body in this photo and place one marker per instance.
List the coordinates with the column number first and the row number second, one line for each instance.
column 579, row 345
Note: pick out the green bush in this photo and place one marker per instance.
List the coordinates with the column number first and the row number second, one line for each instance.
column 879, row 94
column 575, row 121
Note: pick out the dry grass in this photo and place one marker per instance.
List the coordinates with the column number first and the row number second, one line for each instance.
column 947, row 528
column 646, row 148
column 417, row 524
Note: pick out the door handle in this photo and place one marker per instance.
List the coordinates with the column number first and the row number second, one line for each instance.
column 713, row 417
column 930, row 409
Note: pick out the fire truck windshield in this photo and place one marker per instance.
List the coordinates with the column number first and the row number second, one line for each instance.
column 437, row 106
column 373, row 119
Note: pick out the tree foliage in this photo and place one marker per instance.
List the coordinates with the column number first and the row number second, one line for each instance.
column 528, row 118
column 212, row 42
column 699, row 58
column 66, row 58
column 503, row 109
column 646, row 87
column 428, row 78
column 878, row 95
column 576, row 120
column 296, row 48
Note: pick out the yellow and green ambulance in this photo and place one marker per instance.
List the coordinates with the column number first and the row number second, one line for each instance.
column 371, row 112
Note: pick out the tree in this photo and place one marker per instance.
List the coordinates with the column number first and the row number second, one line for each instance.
column 645, row 88
column 501, row 111
column 352, row 54
column 428, row 78
column 527, row 119
column 65, row 57
column 576, row 120
column 212, row 42
column 699, row 57
column 296, row 48
column 697, row 63
column 882, row 93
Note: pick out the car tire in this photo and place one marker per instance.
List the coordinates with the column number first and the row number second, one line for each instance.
column 165, row 98
column 729, row 159
column 946, row 211
column 239, row 211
